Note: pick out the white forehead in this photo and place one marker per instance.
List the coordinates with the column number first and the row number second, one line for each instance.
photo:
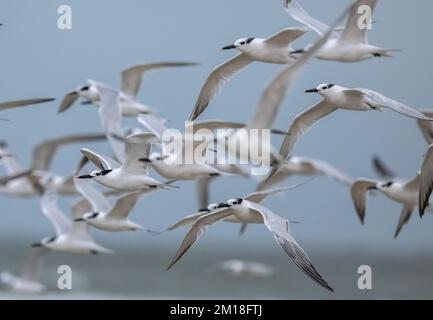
column 322, row 85
column 213, row 206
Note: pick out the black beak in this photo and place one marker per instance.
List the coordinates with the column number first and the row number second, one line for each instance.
column 85, row 176
column 297, row 51
column 372, row 188
column 78, row 219
column 311, row 90
column 36, row 245
column 223, row 205
column 144, row 160
column 232, row 46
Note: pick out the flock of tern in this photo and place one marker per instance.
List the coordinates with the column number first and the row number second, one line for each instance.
column 127, row 174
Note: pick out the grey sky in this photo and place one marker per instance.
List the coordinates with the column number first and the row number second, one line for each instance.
column 38, row 60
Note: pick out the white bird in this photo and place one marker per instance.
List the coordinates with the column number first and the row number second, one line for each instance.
column 28, row 281
column 21, row 103
column 351, row 45
column 42, row 157
column 338, row 97
column 256, row 197
column 131, row 81
column 71, row 236
column 101, row 214
column 304, row 167
column 251, row 212
column 131, row 175
column 241, row 268
column 275, row 49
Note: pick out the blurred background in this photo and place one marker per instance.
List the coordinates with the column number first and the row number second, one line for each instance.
column 39, row 60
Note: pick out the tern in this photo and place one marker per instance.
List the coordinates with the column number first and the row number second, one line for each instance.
column 412, row 194
column 256, row 197
column 304, row 167
column 251, row 212
column 275, row 49
column 71, row 236
column 101, row 214
column 131, row 81
column 28, row 281
column 131, row 175
column 338, row 97
column 42, row 157
column 351, row 45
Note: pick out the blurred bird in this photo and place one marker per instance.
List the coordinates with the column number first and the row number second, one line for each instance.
column 28, row 281
column 351, row 45
column 304, row 167
column 71, row 236
column 240, row 268
column 131, row 81
column 19, row 183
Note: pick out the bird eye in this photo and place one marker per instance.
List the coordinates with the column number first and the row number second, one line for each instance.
column 242, row 43
column 98, row 174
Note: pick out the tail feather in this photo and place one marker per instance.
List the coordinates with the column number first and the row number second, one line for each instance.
column 385, row 52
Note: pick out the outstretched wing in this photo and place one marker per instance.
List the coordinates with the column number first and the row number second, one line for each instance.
column 44, row 152
column 197, row 229
column 279, row 227
column 304, row 122
column 214, row 82
column 131, row 77
column 111, row 118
